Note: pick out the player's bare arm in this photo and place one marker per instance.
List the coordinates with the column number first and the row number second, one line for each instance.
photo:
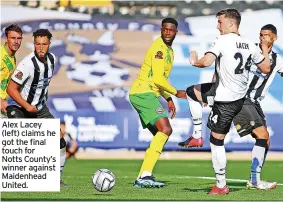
column 4, row 105
column 181, row 94
column 206, row 61
column 171, row 107
column 264, row 66
column 170, row 102
column 14, row 93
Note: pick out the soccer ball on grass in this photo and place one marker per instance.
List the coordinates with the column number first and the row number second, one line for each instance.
column 103, row 180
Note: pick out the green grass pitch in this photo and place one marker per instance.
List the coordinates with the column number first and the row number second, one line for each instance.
column 174, row 173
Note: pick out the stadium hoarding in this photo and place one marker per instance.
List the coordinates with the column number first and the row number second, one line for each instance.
column 105, row 119
column 122, row 129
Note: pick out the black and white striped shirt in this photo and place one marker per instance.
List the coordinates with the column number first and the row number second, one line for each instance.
column 34, row 77
column 259, row 83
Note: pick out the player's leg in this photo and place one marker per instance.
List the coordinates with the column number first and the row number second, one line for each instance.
column 145, row 178
column 259, row 153
column 219, row 162
column 155, row 148
column 153, row 131
column 62, row 157
column 196, row 95
column 194, row 98
column 266, row 151
column 219, row 122
column 261, row 122
column 251, row 120
column 152, row 116
column 45, row 113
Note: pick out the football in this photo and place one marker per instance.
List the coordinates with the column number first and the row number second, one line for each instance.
column 103, row 180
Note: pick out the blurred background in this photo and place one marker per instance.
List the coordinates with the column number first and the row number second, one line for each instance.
column 100, row 46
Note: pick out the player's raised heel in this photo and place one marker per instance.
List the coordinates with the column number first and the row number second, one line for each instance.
column 191, row 142
column 148, row 182
column 262, row 185
column 219, row 191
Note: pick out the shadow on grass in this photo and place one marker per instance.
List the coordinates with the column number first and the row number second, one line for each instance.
column 166, row 182
column 237, row 184
column 207, row 190
column 197, row 189
column 104, row 194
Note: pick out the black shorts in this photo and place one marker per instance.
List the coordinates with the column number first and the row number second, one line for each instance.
column 208, row 93
column 14, row 112
column 249, row 118
column 222, row 115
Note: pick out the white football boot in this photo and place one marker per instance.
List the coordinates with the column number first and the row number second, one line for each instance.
column 261, row 185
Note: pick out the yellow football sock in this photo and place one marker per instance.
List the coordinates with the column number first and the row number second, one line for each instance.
column 153, row 152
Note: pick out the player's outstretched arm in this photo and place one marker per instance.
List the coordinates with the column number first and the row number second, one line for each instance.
column 181, row 94
column 206, row 61
column 165, row 94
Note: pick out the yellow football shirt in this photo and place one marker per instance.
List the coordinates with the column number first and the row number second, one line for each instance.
column 155, row 70
column 8, row 65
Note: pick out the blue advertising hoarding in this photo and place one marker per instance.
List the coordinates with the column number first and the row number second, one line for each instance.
column 122, row 129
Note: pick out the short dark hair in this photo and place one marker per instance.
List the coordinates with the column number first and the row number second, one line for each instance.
column 42, row 32
column 13, row 27
column 170, row 20
column 270, row 27
column 231, row 13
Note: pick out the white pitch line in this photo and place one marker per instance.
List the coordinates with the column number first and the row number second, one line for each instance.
column 181, row 177
column 213, row 178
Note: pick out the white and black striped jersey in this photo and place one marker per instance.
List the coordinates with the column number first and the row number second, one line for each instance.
column 235, row 54
column 34, row 77
column 259, row 83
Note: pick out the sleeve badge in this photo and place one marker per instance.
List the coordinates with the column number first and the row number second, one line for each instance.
column 19, row 75
column 159, row 55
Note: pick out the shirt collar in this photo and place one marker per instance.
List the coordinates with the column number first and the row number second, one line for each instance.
column 6, row 49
